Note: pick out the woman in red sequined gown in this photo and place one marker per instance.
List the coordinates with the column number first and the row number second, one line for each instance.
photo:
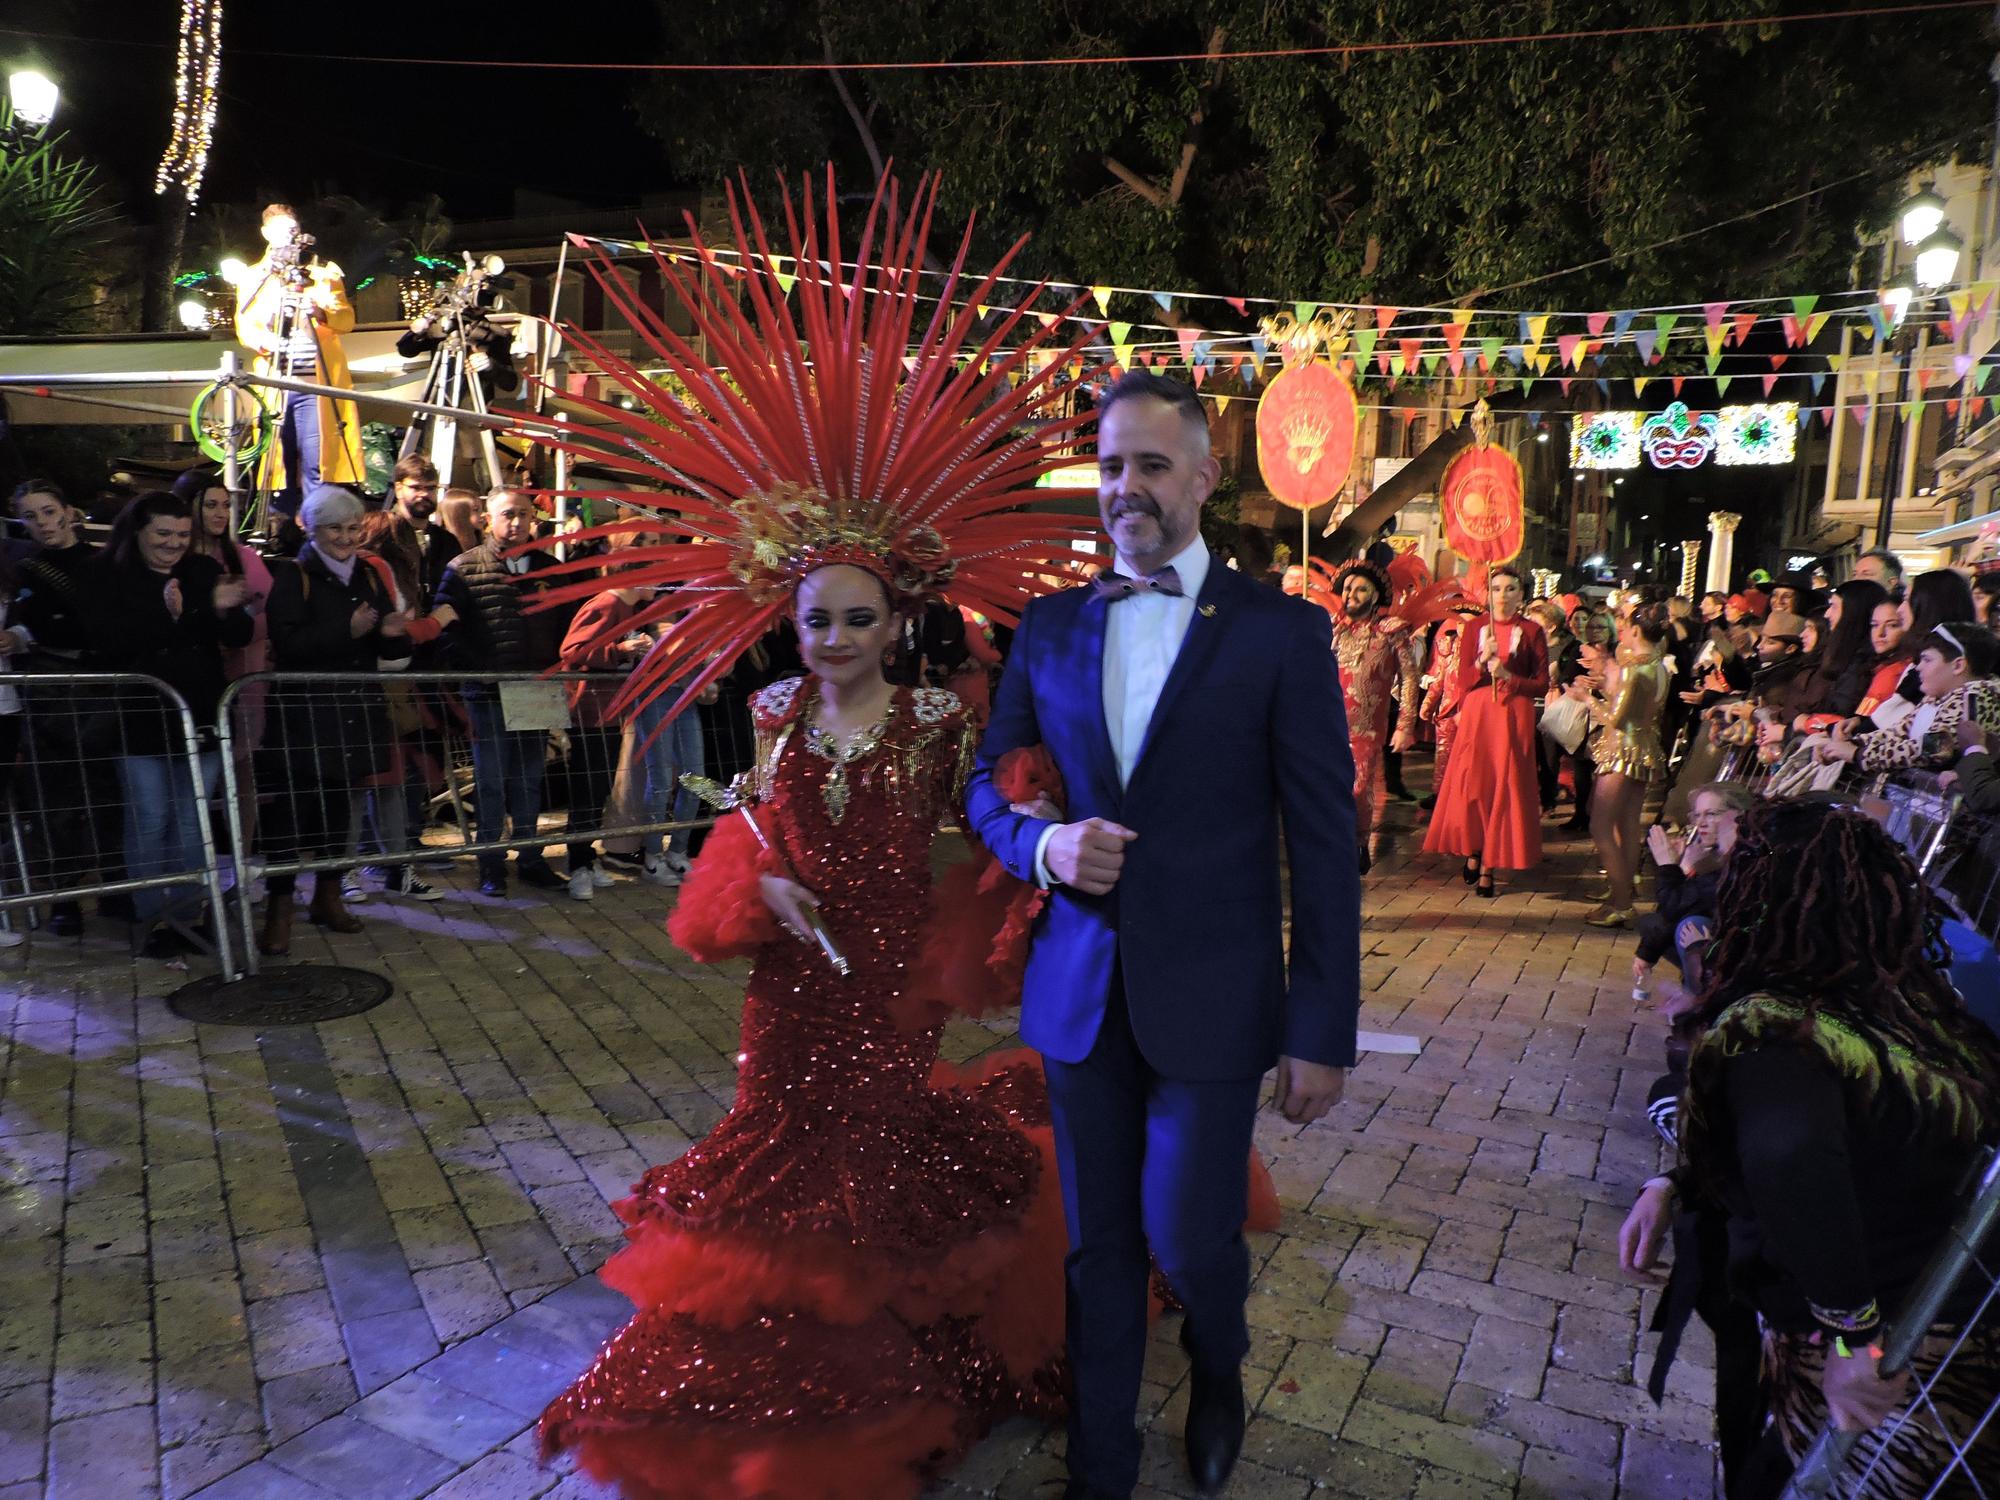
column 861, row 1266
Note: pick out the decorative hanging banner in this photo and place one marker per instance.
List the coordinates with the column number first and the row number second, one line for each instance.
column 1481, row 498
column 1677, row 438
column 1605, row 440
column 1307, row 420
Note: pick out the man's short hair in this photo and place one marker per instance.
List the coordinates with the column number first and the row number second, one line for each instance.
column 505, row 496
column 415, row 466
column 1178, row 394
column 1888, row 559
column 278, row 210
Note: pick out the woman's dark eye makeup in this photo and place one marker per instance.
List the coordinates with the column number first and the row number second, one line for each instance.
column 857, row 619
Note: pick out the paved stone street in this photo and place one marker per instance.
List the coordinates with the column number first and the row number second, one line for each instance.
column 355, row 1259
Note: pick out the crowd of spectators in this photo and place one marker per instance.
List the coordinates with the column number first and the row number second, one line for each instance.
column 337, row 756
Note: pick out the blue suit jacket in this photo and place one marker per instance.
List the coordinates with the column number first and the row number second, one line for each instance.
column 1250, row 736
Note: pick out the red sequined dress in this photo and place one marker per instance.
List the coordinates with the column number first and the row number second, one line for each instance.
column 860, row 1267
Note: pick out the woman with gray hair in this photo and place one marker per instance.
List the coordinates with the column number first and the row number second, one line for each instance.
column 329, row 611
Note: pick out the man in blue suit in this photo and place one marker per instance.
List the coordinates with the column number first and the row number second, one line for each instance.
column 1193, row 715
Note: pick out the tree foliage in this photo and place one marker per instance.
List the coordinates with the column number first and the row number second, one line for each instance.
column 56, row 227
column 1405, row 178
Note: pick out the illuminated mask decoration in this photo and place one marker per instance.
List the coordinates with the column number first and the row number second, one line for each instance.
column 1678, row 438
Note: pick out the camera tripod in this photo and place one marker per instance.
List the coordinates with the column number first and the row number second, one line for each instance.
column 452, row 381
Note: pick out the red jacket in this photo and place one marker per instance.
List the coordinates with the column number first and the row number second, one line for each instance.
column 592, row 645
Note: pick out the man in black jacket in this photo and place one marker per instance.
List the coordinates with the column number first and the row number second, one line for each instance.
column 495, row 633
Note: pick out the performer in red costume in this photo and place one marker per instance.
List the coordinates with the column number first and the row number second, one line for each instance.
column 1377, row 651
column 1443, row 696
column 860, row 1267
column 1488, row 809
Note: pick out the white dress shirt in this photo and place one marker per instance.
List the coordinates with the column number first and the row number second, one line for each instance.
column 1142, row 636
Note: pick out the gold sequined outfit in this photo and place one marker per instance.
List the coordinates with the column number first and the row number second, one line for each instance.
column 1630, row 744
column 860, row 1266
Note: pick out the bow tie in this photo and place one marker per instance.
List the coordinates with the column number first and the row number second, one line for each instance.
column 1115, row 586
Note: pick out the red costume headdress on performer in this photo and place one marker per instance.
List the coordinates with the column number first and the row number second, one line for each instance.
column 820, row 429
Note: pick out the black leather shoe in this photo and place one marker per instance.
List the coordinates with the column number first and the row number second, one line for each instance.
column 1214, row 1431
column 540, row 874
column 65, row 919
column 493, row 885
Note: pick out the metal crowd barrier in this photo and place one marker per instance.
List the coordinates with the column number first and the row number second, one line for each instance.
column 312, row 759
column 1829, row 1466
column 301, row 764
column 109, row 796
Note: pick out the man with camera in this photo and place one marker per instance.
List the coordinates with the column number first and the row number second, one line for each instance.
column 291, row 309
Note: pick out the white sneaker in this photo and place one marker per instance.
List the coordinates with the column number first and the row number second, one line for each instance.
column 352, row 891
column 581, row 886
column 12, row 939
column 660, row 872
column 601, row 877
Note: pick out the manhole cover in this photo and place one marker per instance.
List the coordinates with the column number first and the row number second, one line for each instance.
column 297, row 995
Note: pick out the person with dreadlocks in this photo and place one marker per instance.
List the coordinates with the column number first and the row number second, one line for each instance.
column 1380, row 660
column 1837, row 1101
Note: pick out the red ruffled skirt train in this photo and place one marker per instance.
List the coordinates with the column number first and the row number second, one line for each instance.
column 1488, row 803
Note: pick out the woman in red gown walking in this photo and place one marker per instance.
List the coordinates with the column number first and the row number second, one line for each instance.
column 861, row 1266
column 1488, row 808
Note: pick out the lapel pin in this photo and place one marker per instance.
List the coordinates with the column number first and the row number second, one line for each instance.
column 1207, row 611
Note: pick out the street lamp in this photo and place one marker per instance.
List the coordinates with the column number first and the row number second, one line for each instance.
column 31, row 97
column 1920, row 217
column 194, row 315
column 1936, row 251
column 1897, row 296
column 1937, row 260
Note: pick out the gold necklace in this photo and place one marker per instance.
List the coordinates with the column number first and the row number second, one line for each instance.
column 843, row 753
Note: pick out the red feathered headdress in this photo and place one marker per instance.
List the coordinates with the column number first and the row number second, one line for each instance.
column 819, row 426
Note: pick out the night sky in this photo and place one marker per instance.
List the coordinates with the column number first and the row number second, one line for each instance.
column 385, row 134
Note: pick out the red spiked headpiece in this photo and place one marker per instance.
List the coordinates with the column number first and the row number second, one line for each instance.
column 820, row 427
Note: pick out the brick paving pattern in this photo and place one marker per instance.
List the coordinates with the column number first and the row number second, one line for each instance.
column 355, row 1259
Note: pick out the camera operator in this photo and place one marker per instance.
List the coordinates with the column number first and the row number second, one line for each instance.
column 462, row 308
column 292, row 310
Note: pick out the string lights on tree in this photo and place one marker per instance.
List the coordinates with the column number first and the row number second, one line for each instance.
column 197, row 70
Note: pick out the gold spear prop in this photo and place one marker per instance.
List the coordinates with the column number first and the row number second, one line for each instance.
column 733, row 798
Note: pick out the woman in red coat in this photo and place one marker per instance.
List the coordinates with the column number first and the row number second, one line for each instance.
column 1487, row 808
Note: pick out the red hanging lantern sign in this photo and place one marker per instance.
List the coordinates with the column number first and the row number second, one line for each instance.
column 1481, row 498
column 1306, row 421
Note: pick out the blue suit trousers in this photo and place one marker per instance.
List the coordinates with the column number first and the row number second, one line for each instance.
column 1148, row 1164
